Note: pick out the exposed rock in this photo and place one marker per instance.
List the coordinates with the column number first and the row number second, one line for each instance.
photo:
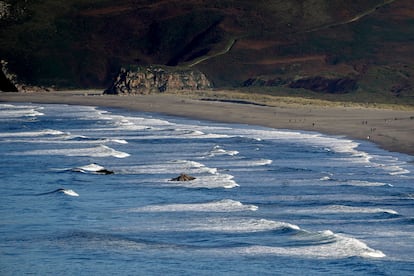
column 104, row 171
column 183, row 177
column 326, row 85
column 143, row 80
column 7, row 80
column 33, row 88
column 4, row 10
column 12, row 12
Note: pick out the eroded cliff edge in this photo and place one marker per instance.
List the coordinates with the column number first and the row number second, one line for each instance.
column 156, row 78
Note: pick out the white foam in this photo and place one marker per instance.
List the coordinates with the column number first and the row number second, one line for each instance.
column 338, row 246
column 208, row 181
column 390, row 164
column 396, row 170
column 91, row 168
column 174, row 135
column 119, row 141
column 244, row 163
column 38, row 133
column 70, row 192
column 219, row 151
column 8, row 111
column 225, row 205
column 261, row 162
column 343, row 209
column 174, row 166
column 134, row 123
column 56, row 138
column 348, row 148
column 7, row 106
column 362, row 183
column 149, row 121
column 240, row 225
column 99, row 151
column 206, row 177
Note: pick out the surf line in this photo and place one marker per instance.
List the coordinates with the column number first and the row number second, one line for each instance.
column 61, row 190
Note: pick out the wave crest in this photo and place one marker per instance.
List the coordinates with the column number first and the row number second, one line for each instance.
column 225, row 205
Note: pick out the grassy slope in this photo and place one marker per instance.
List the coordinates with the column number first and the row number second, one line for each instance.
column 375, row 50
column 83, row 43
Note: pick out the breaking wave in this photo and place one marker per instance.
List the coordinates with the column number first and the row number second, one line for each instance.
column 99, row 151
column 225, row 205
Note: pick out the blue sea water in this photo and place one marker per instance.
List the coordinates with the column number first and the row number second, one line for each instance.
column 264, row 201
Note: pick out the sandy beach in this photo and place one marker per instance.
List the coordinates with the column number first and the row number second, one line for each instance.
column 390, row 129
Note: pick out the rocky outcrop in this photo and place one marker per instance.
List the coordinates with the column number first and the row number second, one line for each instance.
column 7, row 80
column 104, row 171
column 12, row 12
column 183, row 177
column 4, row 10
column 327, row 85
column 144, row 80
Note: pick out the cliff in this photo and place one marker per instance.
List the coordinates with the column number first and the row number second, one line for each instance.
column 7, row 80
column 144, row 80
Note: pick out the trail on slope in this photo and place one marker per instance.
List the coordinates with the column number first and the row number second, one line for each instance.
column 353, row 19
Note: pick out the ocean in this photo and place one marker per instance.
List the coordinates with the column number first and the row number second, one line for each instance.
column 88, row 191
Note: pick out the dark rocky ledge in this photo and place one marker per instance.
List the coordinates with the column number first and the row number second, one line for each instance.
column 326, row 85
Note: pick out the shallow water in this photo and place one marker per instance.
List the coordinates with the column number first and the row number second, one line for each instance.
column 264, row 201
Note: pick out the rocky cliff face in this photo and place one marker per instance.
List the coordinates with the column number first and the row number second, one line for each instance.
column 7, row 80
column 144, row 80
column 4, row 10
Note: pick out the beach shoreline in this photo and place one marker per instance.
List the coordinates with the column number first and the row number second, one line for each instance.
column 392, row 130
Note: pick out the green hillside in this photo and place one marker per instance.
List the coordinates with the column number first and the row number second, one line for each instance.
column 259, row 45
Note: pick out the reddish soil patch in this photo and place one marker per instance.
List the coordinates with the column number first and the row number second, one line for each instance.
column 400, row 10
column 107, row 10
column 257, row 44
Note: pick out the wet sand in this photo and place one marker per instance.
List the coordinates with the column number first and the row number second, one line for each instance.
column 392, row 130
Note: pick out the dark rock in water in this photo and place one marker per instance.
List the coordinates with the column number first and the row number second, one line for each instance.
column 92, row 168
column 183, row 177
column 144, row 80
column 104, row 171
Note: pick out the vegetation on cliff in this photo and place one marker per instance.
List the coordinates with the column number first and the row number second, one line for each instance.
column 84, row 43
